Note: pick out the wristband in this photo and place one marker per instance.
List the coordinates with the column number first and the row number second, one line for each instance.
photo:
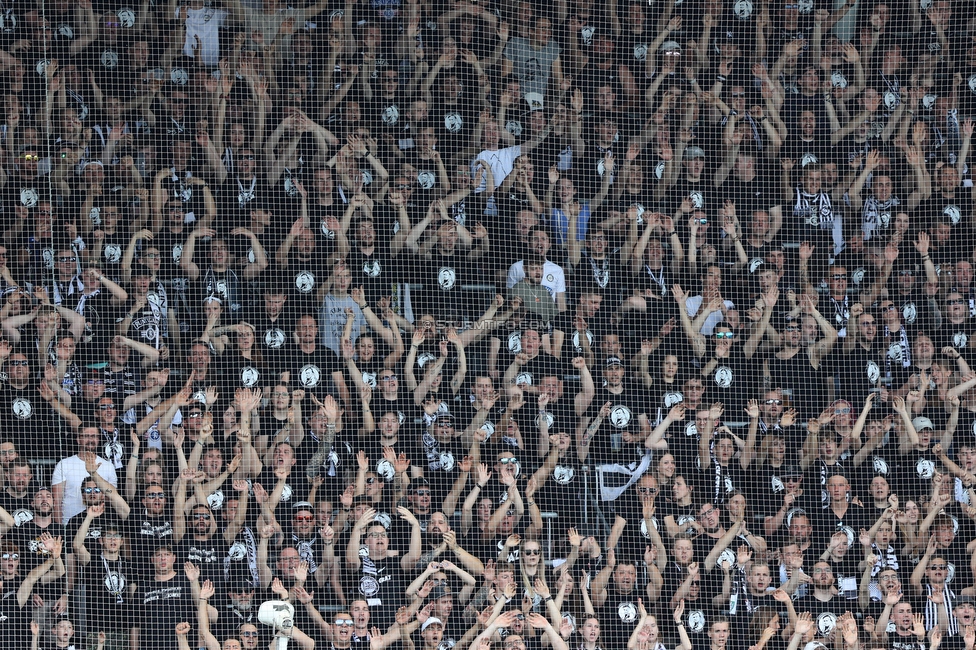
column 720, row 78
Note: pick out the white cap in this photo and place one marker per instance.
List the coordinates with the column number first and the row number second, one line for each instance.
column 433, row 620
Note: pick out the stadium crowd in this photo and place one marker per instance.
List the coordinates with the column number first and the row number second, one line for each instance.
column 488, row 324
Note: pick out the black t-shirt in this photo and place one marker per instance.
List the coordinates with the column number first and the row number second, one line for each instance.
column 161, row 605
column 312, row 372
column 608, row 446
column 108, row 603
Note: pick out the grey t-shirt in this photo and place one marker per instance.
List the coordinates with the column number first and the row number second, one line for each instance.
column 532, row 67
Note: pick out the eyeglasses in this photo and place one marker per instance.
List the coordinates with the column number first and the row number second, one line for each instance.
column 155, row 495
column 532, row 551
column 249, row 635
column 725, row 335
column 507, row 461
column 705, row 513
column 10, row 556
column 378, row 535
column 838, row 276
column 8, row 452
column 388, row 378
column 842, row 411
column 774, row 402
column 106, row 407
column 67, row 259
column 92, row 490
column 956, row 301
column 19, row 362
column 344, row 622
column 304, row 518
column 200, row 516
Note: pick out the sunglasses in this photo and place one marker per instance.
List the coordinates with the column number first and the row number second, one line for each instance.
column 647, row 490
column 843, row 411
column 388, row 378
column 247, row 157
column 92, row 490
column 304, row 518
column 725, row 335
column 839, row 276
column 20, row 362
column 791, row 328
column 249, row 635
column 532, row 551
column 10, row 556
column 938, row 567
column 774, row 402
column 106, row 407
column 67, row 259
column 956, row 301
column 200, row 516
column 422, row 493
column 31, row 157
column 344, row 622
column 370, row 480
column 155, row 495
column 151, row 256
column 112, row 536
column 906, row 272
column 507, row 461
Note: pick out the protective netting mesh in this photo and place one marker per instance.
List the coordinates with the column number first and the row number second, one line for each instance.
column 488, row 324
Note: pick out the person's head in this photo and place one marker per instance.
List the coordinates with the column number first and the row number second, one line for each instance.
column 19, row 474
column 303, row 520
column 838, row 488
column 901, row 615
column 937, row 570
column 666, row 467
column 759, row 577
column 680, row 489
column 154, row 500
column 590, row 630
column 9, row 558
column 964, row 609
column 343, row 624
column 164, row 560
column 288, row 560
column 625, row 575
column 683, row 551
column 709, row 516
column 91, row 494
column 823, row 575
column 718, row 631
column 800, row 528
column 43, row 502
column 419, row 496
column 888, row 581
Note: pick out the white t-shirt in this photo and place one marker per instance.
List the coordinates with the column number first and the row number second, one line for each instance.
column 204, row 23
column 72, row 473
column 501, row 162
